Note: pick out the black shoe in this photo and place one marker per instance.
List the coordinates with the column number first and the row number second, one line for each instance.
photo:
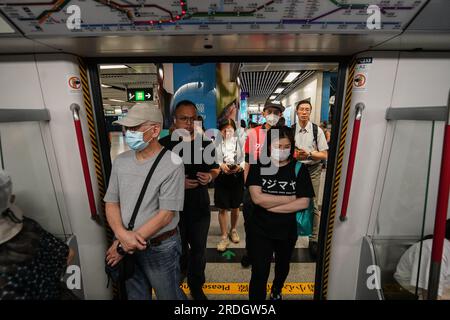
column 183, row 276
column 245, row 261
column 198, row 294
column 313, row 249
column 275, row 296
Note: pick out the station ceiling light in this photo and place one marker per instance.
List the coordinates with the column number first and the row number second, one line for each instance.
column 4, row 27
column 291, row 77
column 113, row 66
column 276, row 101
column 279, row 90
column 272, row 97
column 115, row 100
column 105, row 86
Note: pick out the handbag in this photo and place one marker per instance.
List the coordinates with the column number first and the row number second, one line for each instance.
column 305, row 217
column 124, row 269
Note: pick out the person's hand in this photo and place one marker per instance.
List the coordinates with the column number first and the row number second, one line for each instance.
column 236, row 169
column 70, row 256
column 131, row 241
column 190, row 183
column 204, row 178
column 302, row 154
column 225, row 168
column 112, row 256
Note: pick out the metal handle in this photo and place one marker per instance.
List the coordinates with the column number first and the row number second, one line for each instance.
column 351, row 162
column 441, row 214
column 75, row 108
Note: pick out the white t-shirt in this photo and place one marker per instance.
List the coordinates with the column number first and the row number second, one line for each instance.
column 305, row 140
column 408, row 267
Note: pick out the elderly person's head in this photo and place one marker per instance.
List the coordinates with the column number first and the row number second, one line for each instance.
column 11, row 218
column 143, row 123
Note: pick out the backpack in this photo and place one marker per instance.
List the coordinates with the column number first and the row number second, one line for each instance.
column 315, row 132
column 305, row 217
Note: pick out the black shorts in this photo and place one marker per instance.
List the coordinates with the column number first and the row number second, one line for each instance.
column 229, row 190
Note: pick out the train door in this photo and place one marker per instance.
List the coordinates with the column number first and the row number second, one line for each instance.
column 242, row 87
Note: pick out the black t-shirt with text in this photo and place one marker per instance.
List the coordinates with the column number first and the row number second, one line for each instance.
column 197, row 198
column 282, row 183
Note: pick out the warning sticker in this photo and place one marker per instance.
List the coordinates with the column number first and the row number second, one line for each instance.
column 74, row 84
column 360, row 80
column 297, row 288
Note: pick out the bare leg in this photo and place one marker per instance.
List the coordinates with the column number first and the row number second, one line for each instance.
column 234, row 218
column 223, row 222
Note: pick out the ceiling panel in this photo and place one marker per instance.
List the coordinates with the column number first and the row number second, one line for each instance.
column 136, row 76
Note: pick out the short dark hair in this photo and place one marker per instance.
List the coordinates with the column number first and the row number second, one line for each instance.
column 283, row 132
column 227, row 122
column 184, row 103
column 302, row 102
column 243, row 124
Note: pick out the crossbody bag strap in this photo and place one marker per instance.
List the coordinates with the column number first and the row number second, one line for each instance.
column 144, row 188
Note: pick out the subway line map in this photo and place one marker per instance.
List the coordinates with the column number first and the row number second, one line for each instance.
column 100, row 17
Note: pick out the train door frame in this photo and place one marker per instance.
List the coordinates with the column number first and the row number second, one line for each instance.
column 344, row 62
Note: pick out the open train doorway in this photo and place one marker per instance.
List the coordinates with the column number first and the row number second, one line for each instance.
column 237, row 91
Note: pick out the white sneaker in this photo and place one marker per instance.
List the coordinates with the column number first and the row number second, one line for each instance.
column 234, row 236
column 223, row 244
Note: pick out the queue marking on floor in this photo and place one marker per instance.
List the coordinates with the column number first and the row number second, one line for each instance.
column 290, row 288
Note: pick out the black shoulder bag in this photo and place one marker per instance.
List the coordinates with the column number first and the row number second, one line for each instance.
column 124, row 270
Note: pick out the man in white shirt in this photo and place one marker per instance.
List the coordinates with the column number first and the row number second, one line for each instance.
column 311, row 148
column 413, row 269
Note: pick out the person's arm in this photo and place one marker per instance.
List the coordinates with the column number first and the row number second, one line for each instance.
column 293, row 206
column 247, row 154
column 267, row 201
column 70, row 256
column 319, row 155
column 322, row 149
column 206, row 177
column 129, row 239
column 155, row 223
column 304, row 193
column 171, row 199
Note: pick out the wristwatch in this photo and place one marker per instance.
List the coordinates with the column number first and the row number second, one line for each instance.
column 309, row 156
column 120, row 250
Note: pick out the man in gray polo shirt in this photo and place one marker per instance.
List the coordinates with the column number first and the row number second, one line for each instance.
column 155, row 240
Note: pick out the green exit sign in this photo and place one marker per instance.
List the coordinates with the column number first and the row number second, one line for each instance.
column 134, row 95
column 140, row 96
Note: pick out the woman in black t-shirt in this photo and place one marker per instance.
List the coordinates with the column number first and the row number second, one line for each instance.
column 277, row 194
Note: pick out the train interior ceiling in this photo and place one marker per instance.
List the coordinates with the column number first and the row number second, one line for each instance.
column 278, row 51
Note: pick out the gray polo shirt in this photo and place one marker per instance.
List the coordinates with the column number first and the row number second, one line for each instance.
column 164, row 192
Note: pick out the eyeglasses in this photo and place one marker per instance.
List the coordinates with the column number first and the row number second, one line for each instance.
column 187, row 119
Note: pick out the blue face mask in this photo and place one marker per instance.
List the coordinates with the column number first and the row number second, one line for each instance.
column 135, row 140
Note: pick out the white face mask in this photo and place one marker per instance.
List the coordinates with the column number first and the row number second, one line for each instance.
column 272, row 119
column 280, row 154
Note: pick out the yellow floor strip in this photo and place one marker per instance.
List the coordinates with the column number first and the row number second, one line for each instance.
column 297, row 288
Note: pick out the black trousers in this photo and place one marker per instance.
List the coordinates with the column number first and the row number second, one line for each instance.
column 261, row 251
column 247, row 210
column 194, row 234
